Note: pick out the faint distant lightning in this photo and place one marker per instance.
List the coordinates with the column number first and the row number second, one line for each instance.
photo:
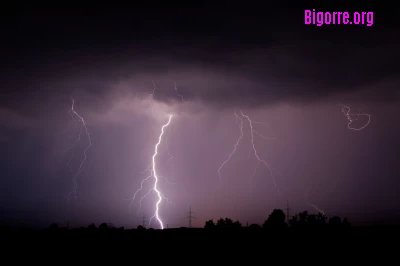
column 180, row 96
column 150, row 98
column 252, row 131
column 140, row 189
column 153, row 174
column 76, row 117
column 316, row 208
column 262, row 123
column 353, row 117
column 234, row 147
column 239, row 121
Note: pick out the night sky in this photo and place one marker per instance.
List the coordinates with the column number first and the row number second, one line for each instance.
column 224, row 58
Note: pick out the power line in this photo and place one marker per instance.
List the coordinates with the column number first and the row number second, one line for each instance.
column 287, row 212
column 190, row 217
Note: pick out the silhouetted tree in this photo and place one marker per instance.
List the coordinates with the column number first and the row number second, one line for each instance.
column 237, row 224
column 276, row 219
column 335, row 221
column 209, row 224
column 312, row 220
column 255, row 226
column 221, row 223
column 294, row 220
column 303, row 217
column 53, row 226
column 346, row 222
column 140, row 228
column 92, row 227
column 321, row 219
column 226, row 223
column 309, row 220
column 103, row 227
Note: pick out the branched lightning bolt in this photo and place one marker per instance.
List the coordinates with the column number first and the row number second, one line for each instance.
column 153, row 174
column 240, row 123
column 77, row 118
column 252, row 131
column 353, row 117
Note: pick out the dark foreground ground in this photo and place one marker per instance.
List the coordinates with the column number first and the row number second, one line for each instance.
column 374, row 235
column 355, row 245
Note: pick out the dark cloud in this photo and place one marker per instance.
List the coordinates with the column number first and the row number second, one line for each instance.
column 239, row 60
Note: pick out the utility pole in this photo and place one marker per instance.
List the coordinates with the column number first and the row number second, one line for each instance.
column 287, row 212
column 190, row 217
column 144, row 219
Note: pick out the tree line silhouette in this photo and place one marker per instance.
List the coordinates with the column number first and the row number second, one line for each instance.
column 276, row 224
column 277, row 219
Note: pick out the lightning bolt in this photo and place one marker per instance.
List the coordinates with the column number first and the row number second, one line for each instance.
column 180, row 96
column 153, row 174
column 253, row 132
column 234, row 147
column 77, row 118
column 259, row 160
column 353, row 117
column 316, row 208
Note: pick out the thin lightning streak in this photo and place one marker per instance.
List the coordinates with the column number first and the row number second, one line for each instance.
column 262, row 136
column 68, row 126
column 350, row 117
column 73, row 119
column 316, row 208
column 262, row 123
column 147, row 169
column 153, row 173
column 142, row 198
column 169, row 202
column 79, row 170
column 270, row 169
column 255, row 171
column 73, row 146
column 140, row 189
column 150, row 98
column 234, row 148
column 166, row 179
column 180, row 96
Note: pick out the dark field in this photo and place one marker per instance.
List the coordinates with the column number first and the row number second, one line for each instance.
column 329, row 245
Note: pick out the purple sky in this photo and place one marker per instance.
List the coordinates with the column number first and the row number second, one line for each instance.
column 295, row 84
